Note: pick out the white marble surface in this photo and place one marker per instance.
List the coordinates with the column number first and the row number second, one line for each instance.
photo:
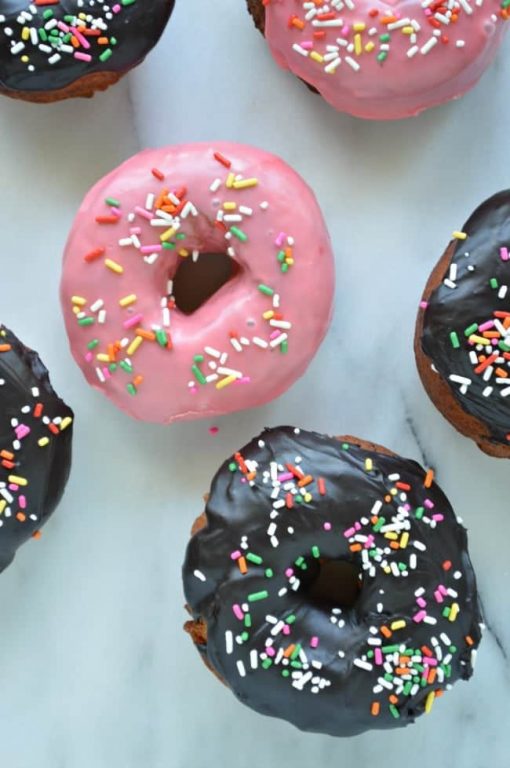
column 95, row 671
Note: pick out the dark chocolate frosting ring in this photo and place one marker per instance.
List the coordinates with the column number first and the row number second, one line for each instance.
column 46, row 46
column 285, row 508
column 35, row 445
column 466, row 322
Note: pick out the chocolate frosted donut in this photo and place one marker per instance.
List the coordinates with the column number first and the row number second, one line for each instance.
column 52, row 50
column 35, row 445
column 330, row 584
column 462, row 341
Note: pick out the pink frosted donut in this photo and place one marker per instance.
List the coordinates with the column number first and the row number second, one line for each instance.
column 384, row 60
column 252, row 338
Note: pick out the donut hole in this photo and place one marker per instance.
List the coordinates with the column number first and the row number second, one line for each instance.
column 331, row 583
column 196, row 281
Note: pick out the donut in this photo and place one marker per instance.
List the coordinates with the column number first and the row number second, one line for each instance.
column 178, row 211
column 58, row 49
column 462, row 339
column 35, row 445
column 383, row 60
column 330, row 584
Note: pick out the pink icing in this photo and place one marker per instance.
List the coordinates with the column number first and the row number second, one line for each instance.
column 284, row 217
column 429, row 57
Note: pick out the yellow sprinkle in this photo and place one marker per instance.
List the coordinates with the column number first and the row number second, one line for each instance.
column 17, row 480
column 230, row 206
column 408, row 30
column 43, row 441
column 316, row 57
column 454, row 612
column 358, row 48
column 66, row 422
column 134, row 345
column 359, row 26
column 399, row 624
column 127, row 300
column 230, row 180
column 387, row 569
column 225, row 382
column 184, row 253
column 393, row 492
column 76, row 310
column 25, row 33
column 459, row 235
column 404, row 540
column 167, row 234
column 478, row 339
column 369, row 465
column 268, row 314
column 103, row 357
column 114, row 266
column 25, row 59
column 369, row 46
column 79, row 300
column 290, row 262
column 391, row 535
column 244, row 183
column 307, row 497
column 429, row 701
column 3, row 505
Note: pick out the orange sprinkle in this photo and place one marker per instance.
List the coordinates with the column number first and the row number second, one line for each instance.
column 36, row 535
column 321, row 485
column 355, row 547
column 306, row 480
column 393, row 699
column 7, row 455
column 242, row 565
column 138, row 380
column 386, row 631
column 21, row 517
column 289, row 650
column 375, row 708
column 5, row 347
column 429, row 478
column 149, row 335
column 469, row 640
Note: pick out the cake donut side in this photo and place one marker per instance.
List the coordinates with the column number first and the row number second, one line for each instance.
column 60, row 49
column 330, row 584
column 35, row 445
column 462, row 337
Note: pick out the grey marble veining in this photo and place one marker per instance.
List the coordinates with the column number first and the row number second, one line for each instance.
column 95, row 671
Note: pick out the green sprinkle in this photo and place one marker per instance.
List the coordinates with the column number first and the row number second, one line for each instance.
column 446, row 611
column 112, row 201
column 285, row 267
column 106, row 55
column 161, row 337
column 379, row 524
column 295, row 653
column 284, row 347
column 419, row 512
column 390, row 648
column 93, row 344
column 255, row 596
column 86, row 321
column 198, row 359
column 316, row 551
column 112, row 367
column 253, row 558
column 291, row 618
column 199, row 376
column 126, row 366
column 247, row 620
column 239, row 234
column 268, row 573
column 266, row 290
column 285, row 673
column 385, row 38
column 493, row 282
column 169, row 246
column 299, row 561
column 471, row 329
column 131, row 388
column 345, row 446
column 504, row 346
column 245, row 636
column 394, row 711
column 454, row 340
column 382, row 56
column 232, row 466
column 267, row 663
column 280, row 255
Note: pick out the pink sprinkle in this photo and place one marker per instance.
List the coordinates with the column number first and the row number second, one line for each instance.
column 438, row 596
column 238, row 612
column 82, row 56
column 117, row 8
column 135, row 230
column 438, row 518
column 134, row 320
column 327, row 526
column 12, row 487
column 443, row 589
column 236, row 555
column 22, row 501
column 22, row 431
column 289, row 572
column 214, row 430
column 429, row 504
column 83, row 40
column 421, row 602
column 151, row 248
column 428, row 12
column 429, row 661
column 357, row 525
column 314, row 642
column 116, row 211
column 281, row 237
column 486, row 326
column 424, row 304
column 142, row 212
column 345, row 30
column 349, row 532
column 243, row 380
column 62, row 26
column 419, row 616
column 107, row 373
column 270, row 650
column 285, row 476
column 378, row 656
column 503, row 252
column 369, row 542
column 286, row 629
column 89, row 357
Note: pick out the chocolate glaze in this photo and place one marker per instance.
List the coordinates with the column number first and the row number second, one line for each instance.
column 46, row 468
column 136, row 28
column 236, row 509
column 473, row 300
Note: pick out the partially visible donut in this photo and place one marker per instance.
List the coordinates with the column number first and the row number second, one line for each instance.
column 462, row 341
column 35, row 445
column 278, row 617
column 383, row 60
column 57, row 49
column 253, row 337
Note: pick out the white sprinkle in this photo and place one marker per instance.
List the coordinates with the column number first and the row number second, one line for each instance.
column 229, row 641
column 199, row 575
